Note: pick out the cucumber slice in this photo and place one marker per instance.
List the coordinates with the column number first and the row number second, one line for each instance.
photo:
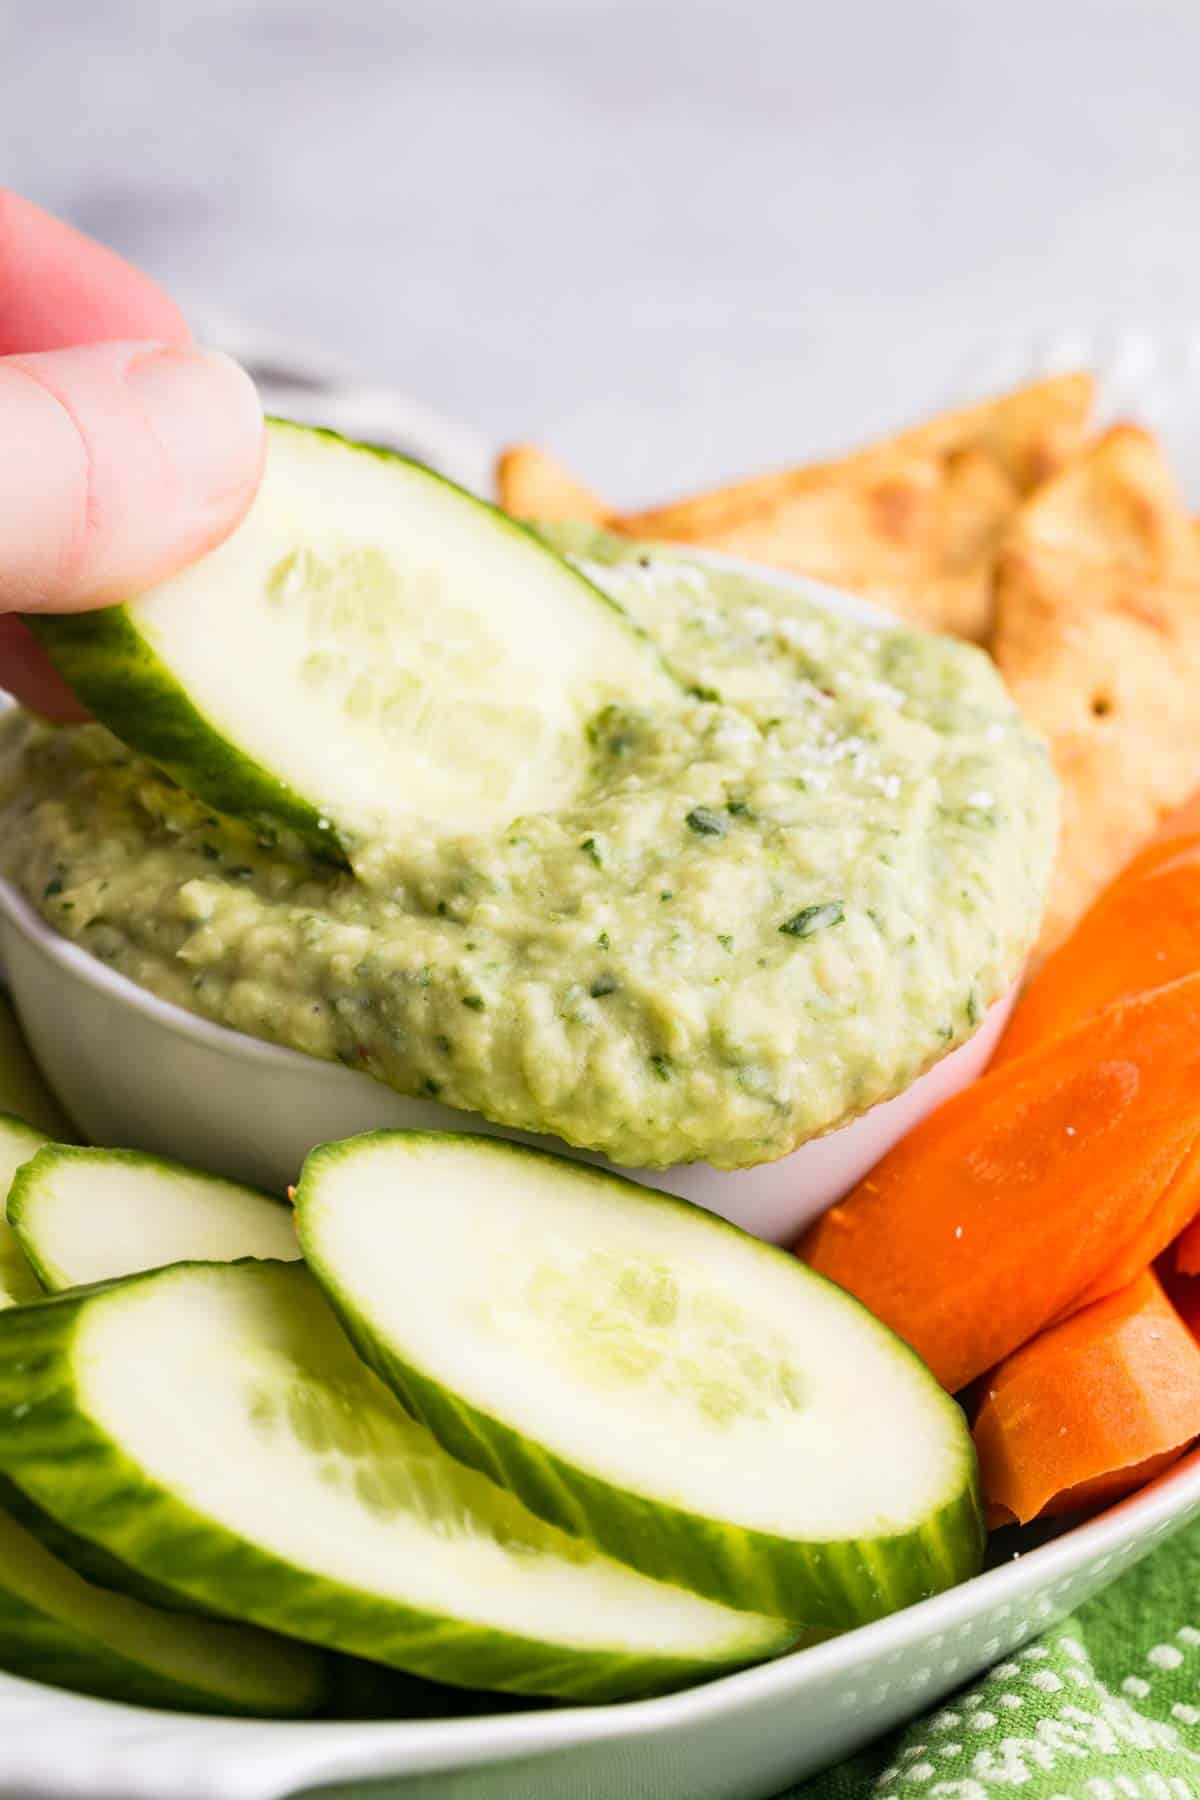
column 18, row 1142
column 56, row 1627
column 646, row 1375
column 211, row 1426
column 86, row 1215
column 23, row 1090
column 19, row 1282
column 83, row 1215
column 88, row 1559
column 372, row 644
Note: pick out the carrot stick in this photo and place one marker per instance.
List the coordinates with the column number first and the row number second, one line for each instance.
column 1175, row 1213
column 1102, row 1491
column 1091, row 1409
column 992, row 1217
column 1142, row 932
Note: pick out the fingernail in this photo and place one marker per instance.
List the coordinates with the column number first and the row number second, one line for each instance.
column 204, row 410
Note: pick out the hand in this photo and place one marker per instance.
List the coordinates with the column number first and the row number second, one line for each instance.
column 125, row 452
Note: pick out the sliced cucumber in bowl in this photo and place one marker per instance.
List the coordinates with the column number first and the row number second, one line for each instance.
column 371, row 645
column 210, row 1426
column 89, row 1560
column 76, row 1617
column 56, row 1627
column 78, row 1214
column 18, row 1143
column 83, row 1215
column 643, row 1374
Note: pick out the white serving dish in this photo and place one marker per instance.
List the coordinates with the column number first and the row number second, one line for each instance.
column 745, row 1737
column 136, row 1071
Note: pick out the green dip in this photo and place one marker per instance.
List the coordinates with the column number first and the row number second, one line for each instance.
column 768, row 909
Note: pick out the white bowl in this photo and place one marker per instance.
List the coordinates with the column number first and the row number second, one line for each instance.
column 136, row 1071
column 746, row 1735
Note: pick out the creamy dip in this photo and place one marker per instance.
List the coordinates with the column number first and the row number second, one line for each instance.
column 769, row 907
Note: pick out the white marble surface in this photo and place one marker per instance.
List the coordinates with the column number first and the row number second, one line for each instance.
column 675, row 240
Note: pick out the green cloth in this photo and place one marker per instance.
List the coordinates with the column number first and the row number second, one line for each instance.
column 1106, row 1707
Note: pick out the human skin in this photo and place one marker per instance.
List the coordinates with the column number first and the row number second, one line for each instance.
column 125, row 450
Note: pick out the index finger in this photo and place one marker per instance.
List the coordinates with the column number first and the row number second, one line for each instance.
column 59, row 288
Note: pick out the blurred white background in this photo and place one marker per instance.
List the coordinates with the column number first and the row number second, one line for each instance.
column 675, row 239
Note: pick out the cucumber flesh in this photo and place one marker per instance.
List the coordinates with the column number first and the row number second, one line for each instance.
column 642, row 1373
column 56, row 1627
column 18, row 1143
column 20, row 1281
column 81, row 1215
column 84, row 1215
column 24, row 1092
column 211, row 1426
column 402, row 650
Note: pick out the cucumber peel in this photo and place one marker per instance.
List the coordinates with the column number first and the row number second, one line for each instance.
column 83, row 1215
column 89, row 1560
column 643, row 1374
column 372, row 645
column 18, row 1143
column 56, row 1627
column 210, row 1426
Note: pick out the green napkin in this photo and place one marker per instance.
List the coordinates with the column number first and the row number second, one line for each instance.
column 1106, row 1707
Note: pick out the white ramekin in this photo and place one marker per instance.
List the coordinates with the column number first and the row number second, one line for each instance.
column 136, row 1071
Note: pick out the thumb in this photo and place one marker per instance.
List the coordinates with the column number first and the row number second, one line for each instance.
column 119, row 463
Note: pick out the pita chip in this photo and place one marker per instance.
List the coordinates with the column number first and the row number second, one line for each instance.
column 1098, row 637
column 531, row 484
column 914, row 521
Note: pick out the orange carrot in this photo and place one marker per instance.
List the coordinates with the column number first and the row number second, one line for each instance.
column 1102, row 1491
column 1187, row 1250
column 1175, row 1213
column 992, row 1217
column 1142, row 932
column 1091, row 1409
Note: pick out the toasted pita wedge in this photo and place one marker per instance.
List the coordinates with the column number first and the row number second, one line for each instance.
column 1098, row 637
column 913, row 522
column 1118, row 504
column 1029, row 433
column 919, row 534
column 530, row 484
column 1032, row 431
